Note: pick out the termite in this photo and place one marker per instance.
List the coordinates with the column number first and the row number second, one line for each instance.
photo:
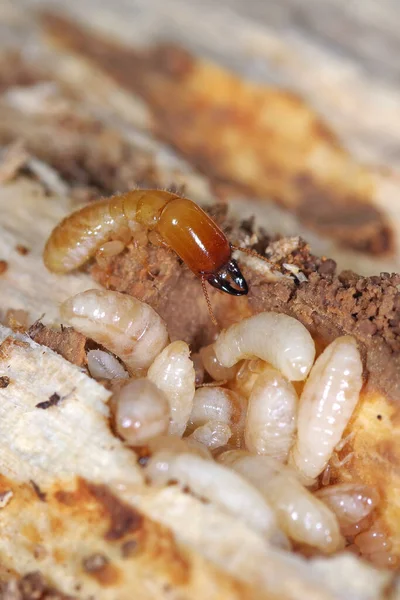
column 179, row 223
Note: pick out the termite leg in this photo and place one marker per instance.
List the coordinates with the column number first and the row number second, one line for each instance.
column 337, row 463
column 340, row 445
column 207, row 297
column 156, row 240
column 326, row 475
column 213, row 384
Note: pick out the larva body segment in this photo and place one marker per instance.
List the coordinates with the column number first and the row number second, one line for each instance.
column 78, row 236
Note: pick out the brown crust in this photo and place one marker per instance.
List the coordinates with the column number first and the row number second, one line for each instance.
column 331, row 305
column 220, row 123
column 17, row 320
column 4, row 381
column 69, row 343
column 7, row 345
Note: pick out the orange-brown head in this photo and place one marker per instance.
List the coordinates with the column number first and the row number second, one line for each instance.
column 201, row 244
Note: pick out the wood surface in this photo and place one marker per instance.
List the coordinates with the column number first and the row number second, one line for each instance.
column 340, row 55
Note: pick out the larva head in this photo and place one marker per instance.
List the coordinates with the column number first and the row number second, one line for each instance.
column 230, row 273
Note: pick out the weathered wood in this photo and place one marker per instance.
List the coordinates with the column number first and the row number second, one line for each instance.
column 341, row 56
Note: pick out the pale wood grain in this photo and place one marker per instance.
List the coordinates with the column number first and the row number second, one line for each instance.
column 341, row 56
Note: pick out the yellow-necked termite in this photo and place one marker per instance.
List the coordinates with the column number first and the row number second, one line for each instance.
column 178, row 222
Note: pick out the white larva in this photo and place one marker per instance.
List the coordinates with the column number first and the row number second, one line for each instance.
column 213, row 367
column 271, row 415
column 328, row 400
column 218, row 404
column 212, row 434
column 141, row 412
column 301, row 516
column 173, row 372
column 278, row 339
column 103, row 365
column 219, row 485
column 351, row 502
column 130, row 329
column 211, row 403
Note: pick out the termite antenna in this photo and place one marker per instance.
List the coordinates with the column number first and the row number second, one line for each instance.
column 212, row 384
column 207, row 297
column 257, row 255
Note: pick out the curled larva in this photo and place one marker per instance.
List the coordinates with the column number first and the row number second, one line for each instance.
column 213, row 367
column 127, row 327
column 220, row 405
column 278, row 339
column 326, row 405
column 301, row 516
column 173, row 372
column 212, row 434
column 217, row 484
column 271, row 415
column 351, row 502
column 103, row 365
column 141, row 412
column 212, row 403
